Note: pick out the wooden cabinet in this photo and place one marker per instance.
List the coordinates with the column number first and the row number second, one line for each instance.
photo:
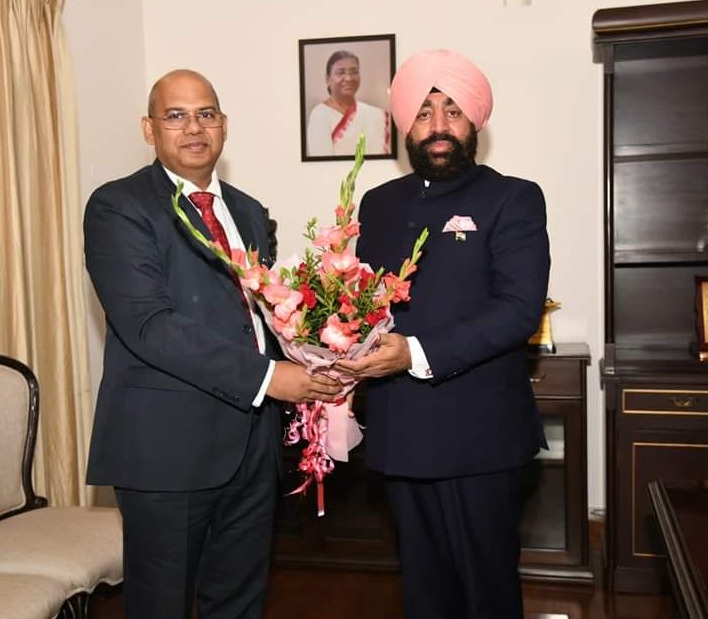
column 657, row 429
column 357, row 530
column 554, row 523
column 655, row 61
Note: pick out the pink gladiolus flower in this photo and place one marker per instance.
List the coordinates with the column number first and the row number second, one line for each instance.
column 351, row 230
column 332, row 236
column 346, row 307
column 408, row 268
column 339, row 263
column 238, row 256
column 339, row 336
column 253, row 277
column 396, row 289
column 336, row 237
column 283, row 299
column 290, row 328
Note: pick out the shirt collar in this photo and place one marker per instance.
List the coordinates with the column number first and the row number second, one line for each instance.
column 189, row 187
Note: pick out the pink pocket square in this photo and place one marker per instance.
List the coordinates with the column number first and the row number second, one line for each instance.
column 460, row 224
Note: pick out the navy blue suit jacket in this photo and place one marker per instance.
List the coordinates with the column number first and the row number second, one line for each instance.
column 475, row 301
column 180, row 367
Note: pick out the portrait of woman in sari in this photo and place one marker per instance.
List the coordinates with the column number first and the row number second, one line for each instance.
column 334, row 125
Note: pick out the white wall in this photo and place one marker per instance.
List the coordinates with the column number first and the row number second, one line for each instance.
column 106, row 44
column 546, row 124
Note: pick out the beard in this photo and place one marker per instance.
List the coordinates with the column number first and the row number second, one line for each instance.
column 444, row 166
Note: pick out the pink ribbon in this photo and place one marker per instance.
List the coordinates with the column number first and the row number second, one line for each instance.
column 329, row 429
column 310, row 424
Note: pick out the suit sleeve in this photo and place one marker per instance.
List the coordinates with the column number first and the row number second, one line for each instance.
column 128, row 267
column 519, row 268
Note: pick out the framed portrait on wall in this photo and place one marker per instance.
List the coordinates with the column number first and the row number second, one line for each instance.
column 344, row 85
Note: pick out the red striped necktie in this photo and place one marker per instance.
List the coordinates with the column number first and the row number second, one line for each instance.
column 204, row 201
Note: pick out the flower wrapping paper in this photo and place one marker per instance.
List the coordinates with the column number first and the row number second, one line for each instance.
column 342, row 432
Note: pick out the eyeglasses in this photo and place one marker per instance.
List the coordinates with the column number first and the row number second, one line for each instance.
column 179, row 119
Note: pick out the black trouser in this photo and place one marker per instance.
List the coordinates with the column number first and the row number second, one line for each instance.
column 459, row 545
column 217, row 540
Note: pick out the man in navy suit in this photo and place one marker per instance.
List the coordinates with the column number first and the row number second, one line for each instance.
column 187, row 418
column 450, row 414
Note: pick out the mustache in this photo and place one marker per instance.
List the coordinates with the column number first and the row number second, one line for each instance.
column 439, row 137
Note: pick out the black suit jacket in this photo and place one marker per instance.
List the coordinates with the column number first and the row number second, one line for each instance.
column 180, row 367
column 475, row 301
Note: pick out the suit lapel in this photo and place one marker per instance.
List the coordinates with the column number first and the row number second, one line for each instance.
column 165, row 189
column 241, row 219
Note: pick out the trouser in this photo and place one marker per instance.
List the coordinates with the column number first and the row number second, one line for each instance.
column 459, row 545
column 215, row 541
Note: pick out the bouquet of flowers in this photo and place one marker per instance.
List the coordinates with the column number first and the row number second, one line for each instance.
column 322, row 306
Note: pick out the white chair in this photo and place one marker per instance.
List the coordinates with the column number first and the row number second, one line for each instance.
column 77, row 548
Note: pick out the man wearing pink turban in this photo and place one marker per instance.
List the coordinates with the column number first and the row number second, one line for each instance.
column 451, row 418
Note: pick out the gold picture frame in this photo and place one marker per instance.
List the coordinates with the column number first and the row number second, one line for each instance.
column 701, row 315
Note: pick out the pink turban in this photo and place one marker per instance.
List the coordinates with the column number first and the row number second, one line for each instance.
column 449, row 72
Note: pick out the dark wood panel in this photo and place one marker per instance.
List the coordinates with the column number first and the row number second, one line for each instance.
column 556, row 377
column 649, row 91
column 648, row 197
column 676, row 401
column 676, row 458
column 629, row 23
column 543, row 522
column 655, row 306
column 644, row 447
column 682, row 515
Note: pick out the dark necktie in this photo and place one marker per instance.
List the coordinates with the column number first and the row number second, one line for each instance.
column 204, row 201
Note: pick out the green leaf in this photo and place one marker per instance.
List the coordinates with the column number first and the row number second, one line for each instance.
column 347, row 188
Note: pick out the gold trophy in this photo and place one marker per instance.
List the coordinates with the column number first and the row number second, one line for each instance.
column 542, row 340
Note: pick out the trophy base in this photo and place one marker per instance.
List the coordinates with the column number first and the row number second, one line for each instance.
column 549, row 347
column 699, row 352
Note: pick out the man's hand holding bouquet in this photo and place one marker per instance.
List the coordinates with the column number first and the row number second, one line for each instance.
column 322, row 307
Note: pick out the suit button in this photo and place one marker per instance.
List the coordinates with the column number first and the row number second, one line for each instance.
column 247, row 329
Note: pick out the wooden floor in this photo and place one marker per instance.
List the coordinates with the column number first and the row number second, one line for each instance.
column 351, row 595
column 317, row 594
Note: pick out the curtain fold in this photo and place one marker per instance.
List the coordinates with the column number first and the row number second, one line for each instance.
column 42, row 306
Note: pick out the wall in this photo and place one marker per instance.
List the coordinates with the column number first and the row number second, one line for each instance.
column 546, row 124
column 106, row 44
